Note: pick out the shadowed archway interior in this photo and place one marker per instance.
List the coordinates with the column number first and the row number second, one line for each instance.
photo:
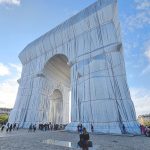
column 58, row 70
column 57, row 73
column 56, row 107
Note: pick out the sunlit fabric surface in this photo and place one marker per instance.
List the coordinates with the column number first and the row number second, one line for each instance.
column 83, row 55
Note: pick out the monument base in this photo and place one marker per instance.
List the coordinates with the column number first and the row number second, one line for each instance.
column 107, row 128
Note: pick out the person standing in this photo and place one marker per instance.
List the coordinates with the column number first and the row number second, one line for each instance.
column 14, row 126
column 10, row 128
column 124, row 129
column 7, row 127
column 18, row 126
column 92, row 128
column 84, row 139
column 2, row 128
column 51, row 127
column 81, row 128
column 34, row 127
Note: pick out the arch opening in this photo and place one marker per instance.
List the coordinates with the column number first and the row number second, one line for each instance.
column 56, row 107
column 58, row 70
column 57, row 74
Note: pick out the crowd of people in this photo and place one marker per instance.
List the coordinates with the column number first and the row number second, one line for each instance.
column 50, row 126
column 32, row 127
column 145, row 130
column 80, row 128
column 9, row 127
column 46, row 127
column 84, row 141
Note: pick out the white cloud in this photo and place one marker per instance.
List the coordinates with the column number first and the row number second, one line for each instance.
column 4, row 70
column 18, row 67
column 147, row 54
column 138, row 20
column 141, row 16
column 10, row 2
column 9, row 87
column 141, row 100
column 142, row 4
column 8, row 91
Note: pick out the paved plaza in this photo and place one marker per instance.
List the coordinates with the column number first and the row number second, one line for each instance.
column 24, row 140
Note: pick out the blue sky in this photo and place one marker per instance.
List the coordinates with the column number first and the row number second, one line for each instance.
column 22, row 21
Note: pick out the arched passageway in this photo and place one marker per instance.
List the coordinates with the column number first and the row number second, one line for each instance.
column 91, row 41
column 56, row 107
column 58, row 70
column 57, row 74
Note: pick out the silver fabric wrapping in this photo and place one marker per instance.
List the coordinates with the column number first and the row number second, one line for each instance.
column 84, row 54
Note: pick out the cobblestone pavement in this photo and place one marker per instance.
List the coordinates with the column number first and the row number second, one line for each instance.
column 24, row 140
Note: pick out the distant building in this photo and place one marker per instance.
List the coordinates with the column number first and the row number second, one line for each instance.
column 5, row 111
column 144, row 119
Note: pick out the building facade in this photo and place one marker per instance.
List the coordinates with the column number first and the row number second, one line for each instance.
column 84, row 56
column 5, row 111
column 144, row 119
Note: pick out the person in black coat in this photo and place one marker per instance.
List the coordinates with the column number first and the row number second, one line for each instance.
column 10, row 128
column 2, row 128
column 84, row 139
column 92, row 128
column 34, row 127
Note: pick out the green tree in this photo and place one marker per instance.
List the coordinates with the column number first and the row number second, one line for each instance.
column 3, row 118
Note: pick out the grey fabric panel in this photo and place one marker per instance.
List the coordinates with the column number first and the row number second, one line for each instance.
column 82, row 55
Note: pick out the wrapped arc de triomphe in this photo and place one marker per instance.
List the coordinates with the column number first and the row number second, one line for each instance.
column 83, row 55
